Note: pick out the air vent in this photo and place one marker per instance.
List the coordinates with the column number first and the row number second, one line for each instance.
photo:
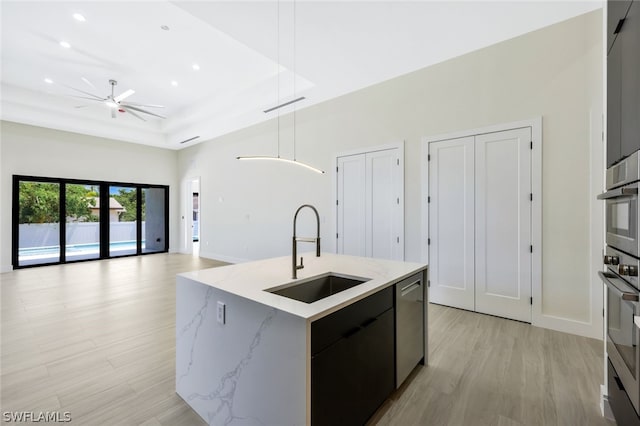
column 190, row 139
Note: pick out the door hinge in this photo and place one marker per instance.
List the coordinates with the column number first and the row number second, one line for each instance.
column 428, row 199
column 428, row 241
column 337, row 168
column 428, row 157
column 398, row 200
column 531, row 145
column 619, row 26
column 397, row 161
column 530, row 249
column 531, row 300
column 337, row 202
column 428, row 283
column 398, row 240
column 603, row 313
column 530, row 196
column 336, row 235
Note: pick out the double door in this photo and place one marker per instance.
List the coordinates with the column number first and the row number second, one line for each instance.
column 370, row 204
column 480, row 223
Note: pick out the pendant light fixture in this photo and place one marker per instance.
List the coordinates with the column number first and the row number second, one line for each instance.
column 293, row 161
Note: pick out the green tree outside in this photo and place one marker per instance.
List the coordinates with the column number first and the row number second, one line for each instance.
column 40, row 202
column 127, row 199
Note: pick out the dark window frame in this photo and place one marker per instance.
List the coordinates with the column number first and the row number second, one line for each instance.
column 104, row 217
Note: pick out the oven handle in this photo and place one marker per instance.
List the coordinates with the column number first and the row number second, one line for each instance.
column 620, row 192
column 624, row 295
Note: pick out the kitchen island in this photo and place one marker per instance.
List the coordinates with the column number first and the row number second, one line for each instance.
column 245, row 355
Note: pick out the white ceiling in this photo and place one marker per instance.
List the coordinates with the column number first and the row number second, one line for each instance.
column 341, row 46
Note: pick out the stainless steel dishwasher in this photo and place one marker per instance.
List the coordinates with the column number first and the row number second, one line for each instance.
column 410, row 324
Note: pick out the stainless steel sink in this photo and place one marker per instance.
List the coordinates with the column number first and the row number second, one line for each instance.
column 319, row 287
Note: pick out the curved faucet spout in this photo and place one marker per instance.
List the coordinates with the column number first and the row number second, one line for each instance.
column 310, row 240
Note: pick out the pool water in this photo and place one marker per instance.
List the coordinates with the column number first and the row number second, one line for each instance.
column 74, row 251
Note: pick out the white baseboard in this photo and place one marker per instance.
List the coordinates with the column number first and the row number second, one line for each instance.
column 5, row 268
column 566, row 325
column 222, row 257
column 605, row 407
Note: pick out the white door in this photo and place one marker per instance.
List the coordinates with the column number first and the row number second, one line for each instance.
column 370, row 205
column 503, row 224
column 383, row 204
column 480, row 223
column 351, row 205
column 451, row 223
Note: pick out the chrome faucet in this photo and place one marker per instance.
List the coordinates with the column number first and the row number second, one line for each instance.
column 303, row 239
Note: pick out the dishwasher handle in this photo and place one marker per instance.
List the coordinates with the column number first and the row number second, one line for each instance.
column 410, row 287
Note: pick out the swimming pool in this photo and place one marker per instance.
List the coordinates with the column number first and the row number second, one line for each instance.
column 32, row 255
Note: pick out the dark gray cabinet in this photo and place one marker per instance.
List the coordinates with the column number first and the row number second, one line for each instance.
column 623, row 80
column 614, row 148
column 616, row 11
column 353, row 361
column 629, row 37
column 619, row 401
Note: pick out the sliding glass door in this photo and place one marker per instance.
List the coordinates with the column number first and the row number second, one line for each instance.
column 123, row 220
column 38, row 222
column 153, row 220
column 65, row 220
column 82, row 219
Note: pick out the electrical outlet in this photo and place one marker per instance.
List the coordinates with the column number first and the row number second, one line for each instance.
column 220, row 311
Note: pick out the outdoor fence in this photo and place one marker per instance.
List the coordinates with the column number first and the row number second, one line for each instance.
column 48, row 234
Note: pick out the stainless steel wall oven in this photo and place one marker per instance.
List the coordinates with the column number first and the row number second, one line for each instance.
column 620, row 275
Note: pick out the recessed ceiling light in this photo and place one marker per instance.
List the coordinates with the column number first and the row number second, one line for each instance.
column 78, row 17
column 48, row 81
column 195, row 67
column 174, row 83
column 165, row 27
column 65, row 44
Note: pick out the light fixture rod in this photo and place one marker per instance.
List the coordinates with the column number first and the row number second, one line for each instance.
column 284, row 104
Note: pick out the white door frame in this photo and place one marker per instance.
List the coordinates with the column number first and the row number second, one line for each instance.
column 334, row 185
column 536, row 206
column 187, row 213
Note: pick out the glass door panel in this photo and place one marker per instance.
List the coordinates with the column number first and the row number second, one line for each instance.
column 123, row 208
column 82, row 204
column 38, row 223
column 153, row 220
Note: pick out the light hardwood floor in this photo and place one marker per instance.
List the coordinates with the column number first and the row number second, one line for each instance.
column 96, row 339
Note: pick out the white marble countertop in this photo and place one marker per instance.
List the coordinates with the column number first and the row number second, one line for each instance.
column 249, row 280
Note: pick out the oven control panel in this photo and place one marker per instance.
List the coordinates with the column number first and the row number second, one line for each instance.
column 623, row 265
column 611, row 260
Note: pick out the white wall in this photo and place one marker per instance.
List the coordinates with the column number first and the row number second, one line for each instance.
column 36, row 151
column 556, row 73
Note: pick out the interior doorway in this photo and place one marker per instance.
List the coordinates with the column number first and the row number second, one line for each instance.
column 191, row 216
column 195, row 216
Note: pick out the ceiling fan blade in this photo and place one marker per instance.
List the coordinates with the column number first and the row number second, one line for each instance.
column 86, row 93
column 142, row 105
column 85, row 97
column 86, row 80
column 124, row 95
column 113, row 112
column 127, row 107
column 130, row 111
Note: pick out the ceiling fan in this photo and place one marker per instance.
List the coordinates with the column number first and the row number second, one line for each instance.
column 118, row 103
